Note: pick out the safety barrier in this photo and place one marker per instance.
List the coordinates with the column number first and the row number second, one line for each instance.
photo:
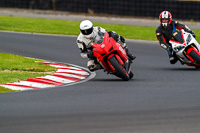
column 181, row 9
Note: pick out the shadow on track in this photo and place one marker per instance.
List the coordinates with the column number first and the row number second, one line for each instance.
column 178, row 69
column 111, row 80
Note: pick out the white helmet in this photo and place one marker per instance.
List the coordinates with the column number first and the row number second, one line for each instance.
column 86, row 27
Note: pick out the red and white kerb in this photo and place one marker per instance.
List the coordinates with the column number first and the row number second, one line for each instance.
column 64, row 75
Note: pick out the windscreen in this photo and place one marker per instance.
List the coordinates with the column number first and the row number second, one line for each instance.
column 98, row 39
column 177, row 36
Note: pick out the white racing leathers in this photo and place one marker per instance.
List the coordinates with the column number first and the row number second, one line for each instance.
column 83, row 42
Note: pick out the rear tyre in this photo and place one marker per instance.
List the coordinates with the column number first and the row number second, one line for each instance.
column 195, row 56
column 197, row 67
column 119, row 70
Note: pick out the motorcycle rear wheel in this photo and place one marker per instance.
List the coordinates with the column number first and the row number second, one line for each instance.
column 131, row 75
column 119, row 70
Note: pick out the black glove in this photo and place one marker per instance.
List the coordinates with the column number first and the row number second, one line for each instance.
column 193, row 34
column 90, row 54
column 169, row 48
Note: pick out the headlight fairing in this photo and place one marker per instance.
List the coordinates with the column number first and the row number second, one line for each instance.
column 189, row 38
column 179, row 48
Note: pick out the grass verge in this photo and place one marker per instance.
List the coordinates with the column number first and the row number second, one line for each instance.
column 52, row 26
column 15, row 68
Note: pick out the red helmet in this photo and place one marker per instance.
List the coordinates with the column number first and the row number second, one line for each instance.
column 165, row 18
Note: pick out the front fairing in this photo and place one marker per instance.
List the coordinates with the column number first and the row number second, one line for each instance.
column 180, row 41
column 103, row 50
column 179, row 50
column 103, row 46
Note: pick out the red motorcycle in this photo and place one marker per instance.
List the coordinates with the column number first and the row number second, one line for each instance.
column 112, row 56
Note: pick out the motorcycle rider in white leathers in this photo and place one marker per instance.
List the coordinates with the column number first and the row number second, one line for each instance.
column 89, row 33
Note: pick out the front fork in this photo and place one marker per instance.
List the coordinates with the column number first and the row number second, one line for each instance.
column 127, row 65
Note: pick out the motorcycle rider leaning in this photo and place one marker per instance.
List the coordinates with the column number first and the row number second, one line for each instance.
column 165, row 29
column 89, row 33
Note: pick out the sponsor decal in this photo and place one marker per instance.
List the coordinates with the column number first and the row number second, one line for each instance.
column 122, row 50
column 157, row 34
column 103, row 45
column 175, row 33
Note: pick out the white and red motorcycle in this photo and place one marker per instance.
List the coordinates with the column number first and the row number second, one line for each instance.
column 186, row 47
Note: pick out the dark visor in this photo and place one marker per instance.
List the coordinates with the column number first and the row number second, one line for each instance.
column 87, row 32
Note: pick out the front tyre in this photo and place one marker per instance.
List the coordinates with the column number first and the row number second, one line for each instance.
column 195, row 56
column 119, row 70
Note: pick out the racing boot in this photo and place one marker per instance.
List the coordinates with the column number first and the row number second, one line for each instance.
column 131, row 56
column 172, row 59
column 93, row 65
column 121, row 40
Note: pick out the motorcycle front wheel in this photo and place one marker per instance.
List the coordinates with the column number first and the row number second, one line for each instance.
column 195, row 56
column 119, row 70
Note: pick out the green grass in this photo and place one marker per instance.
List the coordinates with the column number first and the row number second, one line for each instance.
column 15, row 68
column 20, row 63
column 131, row 32
column 52, row 26
column 23, row 24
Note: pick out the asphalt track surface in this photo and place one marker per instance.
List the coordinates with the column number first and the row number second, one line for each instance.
column 161, row 98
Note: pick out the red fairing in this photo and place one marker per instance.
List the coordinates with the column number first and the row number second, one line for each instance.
column 108, row 48
column 179, row 27
column 121, row 51
column 102, row 49
column 188, row 52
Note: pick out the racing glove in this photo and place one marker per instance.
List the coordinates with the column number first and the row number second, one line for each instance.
column 187, row 29
column 165, row 46
column 193, row 34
